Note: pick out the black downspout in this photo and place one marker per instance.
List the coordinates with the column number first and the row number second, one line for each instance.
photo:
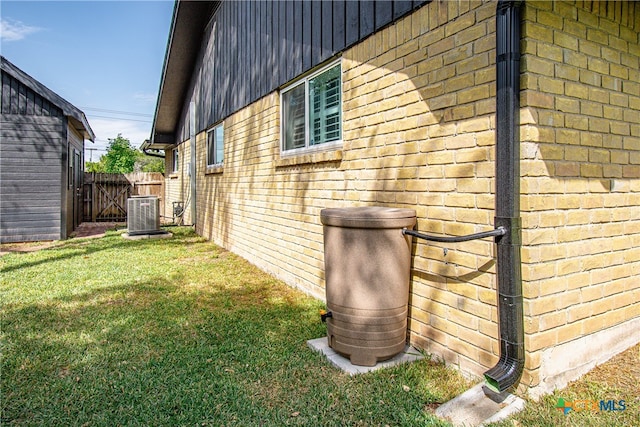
column 507, row 372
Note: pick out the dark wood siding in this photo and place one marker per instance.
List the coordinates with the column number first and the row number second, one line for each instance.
column 32, row 155
column 250, row 49
column 18, row 99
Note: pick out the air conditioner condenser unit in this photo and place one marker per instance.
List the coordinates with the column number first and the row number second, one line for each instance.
column 143, row 215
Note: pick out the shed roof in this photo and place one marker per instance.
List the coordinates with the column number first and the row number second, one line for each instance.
column 189, row 21
column 76, row 117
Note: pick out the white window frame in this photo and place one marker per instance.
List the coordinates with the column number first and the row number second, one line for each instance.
column 212, row 139
column 327, row 146
column 175, row 160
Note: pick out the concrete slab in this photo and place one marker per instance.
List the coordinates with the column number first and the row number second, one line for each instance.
column 163, row 235
column 321, row 345
column 479, row 406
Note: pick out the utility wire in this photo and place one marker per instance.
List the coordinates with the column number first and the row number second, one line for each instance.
column 128, row 113
column 120, row 118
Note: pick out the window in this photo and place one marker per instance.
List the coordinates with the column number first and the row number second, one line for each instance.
column 175, row 159
column 215, row 146
column 311, row 110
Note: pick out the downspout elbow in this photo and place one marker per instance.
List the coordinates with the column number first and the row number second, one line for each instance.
column 507, row 372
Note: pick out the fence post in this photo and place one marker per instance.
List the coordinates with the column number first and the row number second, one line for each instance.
column 94, row 210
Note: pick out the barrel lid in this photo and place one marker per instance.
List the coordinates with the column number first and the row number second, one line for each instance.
column 368, row 217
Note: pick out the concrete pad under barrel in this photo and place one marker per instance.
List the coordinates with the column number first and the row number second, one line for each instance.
column 479, row 406
column 320, row 345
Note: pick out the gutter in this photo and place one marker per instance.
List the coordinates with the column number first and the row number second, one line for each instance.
column 508, row 229
column 508, row 370
column 148, row 153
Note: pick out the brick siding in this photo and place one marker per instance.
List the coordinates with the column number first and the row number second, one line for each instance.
column 419, row 132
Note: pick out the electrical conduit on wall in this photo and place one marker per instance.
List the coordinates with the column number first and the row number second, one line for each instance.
column 192, row 164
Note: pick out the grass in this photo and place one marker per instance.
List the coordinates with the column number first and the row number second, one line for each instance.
column 617, row 380
column 180, row 332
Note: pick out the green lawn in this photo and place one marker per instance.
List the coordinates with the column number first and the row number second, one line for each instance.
column 181, row 332
column 617, row 380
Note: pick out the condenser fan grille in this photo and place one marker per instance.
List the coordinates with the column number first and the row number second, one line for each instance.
column 143, row 215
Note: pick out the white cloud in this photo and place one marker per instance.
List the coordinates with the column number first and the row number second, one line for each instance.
column 11, row 30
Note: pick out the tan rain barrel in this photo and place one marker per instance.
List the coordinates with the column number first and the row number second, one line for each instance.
column 367, row 265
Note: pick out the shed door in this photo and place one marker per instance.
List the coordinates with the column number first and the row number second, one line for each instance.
column 77, row 188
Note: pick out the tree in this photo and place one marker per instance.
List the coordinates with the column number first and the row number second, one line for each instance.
column 146, row 163
column 98, row 167
column 120, row 156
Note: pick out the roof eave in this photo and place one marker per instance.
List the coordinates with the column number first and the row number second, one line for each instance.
column 188, row 23
column 80, row 122
column 82, row 125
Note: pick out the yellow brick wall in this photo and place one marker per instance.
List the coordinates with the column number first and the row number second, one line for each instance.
column 419, row 132
column 261, row 207
column 419, row 105
column 580, row 171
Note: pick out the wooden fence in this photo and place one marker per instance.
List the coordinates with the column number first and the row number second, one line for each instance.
column 106, row 194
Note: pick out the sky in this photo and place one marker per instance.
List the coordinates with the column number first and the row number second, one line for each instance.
column 104, row 57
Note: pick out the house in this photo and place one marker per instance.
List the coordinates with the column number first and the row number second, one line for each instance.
column 41, row 160
column 270, row 111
